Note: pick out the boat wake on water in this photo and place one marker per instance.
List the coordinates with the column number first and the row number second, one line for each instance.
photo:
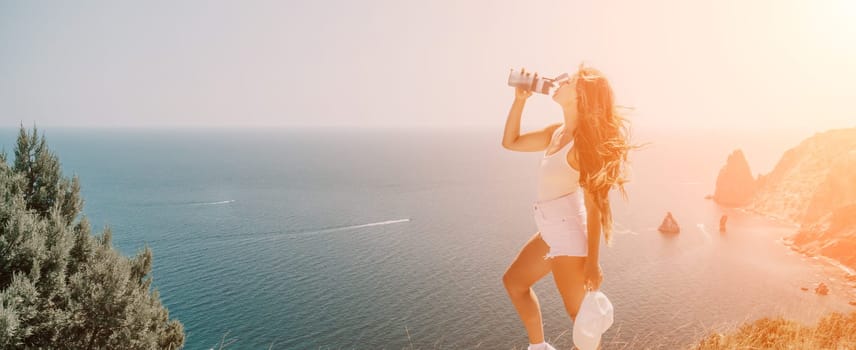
column 213, row 203
column 622, row 230
column 704, row 232
column 239, row 236
column 181, row 204
column 351, row 227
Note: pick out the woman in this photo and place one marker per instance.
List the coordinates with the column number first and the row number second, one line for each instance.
column 584, row 158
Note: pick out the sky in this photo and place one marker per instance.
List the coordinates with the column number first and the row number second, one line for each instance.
column 335, row 63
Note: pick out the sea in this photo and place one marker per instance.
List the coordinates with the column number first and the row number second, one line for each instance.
column 338, row 238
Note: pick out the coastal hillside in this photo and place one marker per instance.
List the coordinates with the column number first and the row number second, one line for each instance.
column 814, row 186
column 834, row 235
column 810, row 180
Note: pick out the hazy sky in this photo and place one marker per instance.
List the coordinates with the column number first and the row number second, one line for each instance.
column 696, row 64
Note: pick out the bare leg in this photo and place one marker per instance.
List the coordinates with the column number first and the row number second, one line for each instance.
column 568, row 274
column 527, row 268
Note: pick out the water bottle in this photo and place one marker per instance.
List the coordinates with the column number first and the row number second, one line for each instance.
column 532, row 82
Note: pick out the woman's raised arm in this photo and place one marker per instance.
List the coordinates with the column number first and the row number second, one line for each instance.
column 529, row 142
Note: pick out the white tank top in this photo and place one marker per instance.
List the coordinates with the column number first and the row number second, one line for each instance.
column 556, row 177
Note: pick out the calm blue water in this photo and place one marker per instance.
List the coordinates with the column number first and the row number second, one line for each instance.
column 372, row 239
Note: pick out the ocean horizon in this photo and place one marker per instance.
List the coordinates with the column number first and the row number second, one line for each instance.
column 328, row 238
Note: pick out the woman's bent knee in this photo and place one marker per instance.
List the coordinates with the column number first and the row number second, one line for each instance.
column 527, row 268
column 507, row 279
column 513, row 285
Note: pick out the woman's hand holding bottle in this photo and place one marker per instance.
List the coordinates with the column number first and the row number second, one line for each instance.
column 522, row 94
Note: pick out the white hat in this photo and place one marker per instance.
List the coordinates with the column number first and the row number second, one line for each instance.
column 594, row 318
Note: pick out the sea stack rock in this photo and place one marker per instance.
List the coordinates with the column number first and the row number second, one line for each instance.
column 822, row 289
column 735, row 184
column 669, row 225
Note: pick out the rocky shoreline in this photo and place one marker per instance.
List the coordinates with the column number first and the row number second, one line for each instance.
column 813, row 188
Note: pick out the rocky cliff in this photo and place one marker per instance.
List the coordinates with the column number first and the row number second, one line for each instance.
column 813, row 185
column 735, row 184
column 833, row 235
column 811, row 180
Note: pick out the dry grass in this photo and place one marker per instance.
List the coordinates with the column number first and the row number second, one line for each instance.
column 834, row 331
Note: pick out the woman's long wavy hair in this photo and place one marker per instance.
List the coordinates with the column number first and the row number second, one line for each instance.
column 602, row 142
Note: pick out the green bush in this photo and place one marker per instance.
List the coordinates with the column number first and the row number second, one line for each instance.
column 60, row 286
